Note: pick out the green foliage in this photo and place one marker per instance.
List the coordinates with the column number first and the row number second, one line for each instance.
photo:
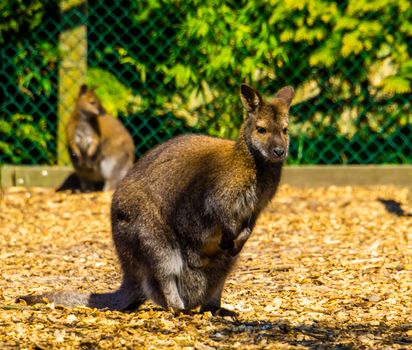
column 34, row 69
column 22, row 139
column 168, row 66
column 350, row 62
column 117, row 97
column 28, row 50
column 19, row 17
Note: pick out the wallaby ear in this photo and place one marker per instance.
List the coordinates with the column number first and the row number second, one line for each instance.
column 83, row 89
column 286, row 94
column 251, row 99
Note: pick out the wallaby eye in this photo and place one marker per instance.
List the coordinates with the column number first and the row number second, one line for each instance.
column 261, row 130
column 285, row 130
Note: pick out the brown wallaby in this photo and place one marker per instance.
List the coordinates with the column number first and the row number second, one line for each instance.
column 184, row 212
column 100, row 147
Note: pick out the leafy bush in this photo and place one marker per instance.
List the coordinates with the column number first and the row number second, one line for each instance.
column 168, row 66
column 28, row 49
column 24, row 141
column 350, row 62
column 117, row 97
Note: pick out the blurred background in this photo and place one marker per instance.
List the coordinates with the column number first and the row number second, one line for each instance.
column 167, row 66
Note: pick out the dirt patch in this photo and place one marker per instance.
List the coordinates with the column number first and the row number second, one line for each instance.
column 324, row 269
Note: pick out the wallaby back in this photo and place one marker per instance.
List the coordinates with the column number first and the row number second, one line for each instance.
column 100, row 147
column 184, row 212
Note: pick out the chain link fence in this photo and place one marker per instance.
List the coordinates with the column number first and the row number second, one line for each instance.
column 166, row 67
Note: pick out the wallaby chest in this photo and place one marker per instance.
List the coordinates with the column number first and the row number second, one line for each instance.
column 85, row 137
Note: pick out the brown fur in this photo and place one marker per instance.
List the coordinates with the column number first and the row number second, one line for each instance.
column 182, row 215
column 100, row 147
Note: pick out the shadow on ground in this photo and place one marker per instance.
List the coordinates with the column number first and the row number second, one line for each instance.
column 314, row 336
column 394, row 207
column 72, row 183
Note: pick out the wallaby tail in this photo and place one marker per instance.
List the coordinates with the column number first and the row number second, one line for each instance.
column 60, row 298
column 122, row 299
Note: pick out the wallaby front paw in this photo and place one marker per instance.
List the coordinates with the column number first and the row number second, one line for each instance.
column 233, row 247
column 243, row 236
column 227, row 245
column 240, row 241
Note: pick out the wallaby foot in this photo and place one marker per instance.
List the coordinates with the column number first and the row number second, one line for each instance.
column 218, row 311
column 171, row 295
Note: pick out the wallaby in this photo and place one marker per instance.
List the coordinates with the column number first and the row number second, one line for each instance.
column 100, row 147
column 184, row 212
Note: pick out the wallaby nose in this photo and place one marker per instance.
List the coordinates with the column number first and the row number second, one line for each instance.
column 279, row 151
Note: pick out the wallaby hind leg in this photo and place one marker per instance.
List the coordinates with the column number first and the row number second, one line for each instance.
column 162, row 280
column 146, row 246
column 110, row 185
column 163, row 269
column 114, row 169
column 167, row 294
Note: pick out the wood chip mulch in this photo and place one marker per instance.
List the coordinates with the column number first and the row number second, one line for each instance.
column 325, row 268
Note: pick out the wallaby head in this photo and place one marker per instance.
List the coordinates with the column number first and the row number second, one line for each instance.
column 88, row 103
column 266, row 126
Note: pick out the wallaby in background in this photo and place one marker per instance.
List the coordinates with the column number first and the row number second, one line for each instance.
column 184, row 212
column 100, row 147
